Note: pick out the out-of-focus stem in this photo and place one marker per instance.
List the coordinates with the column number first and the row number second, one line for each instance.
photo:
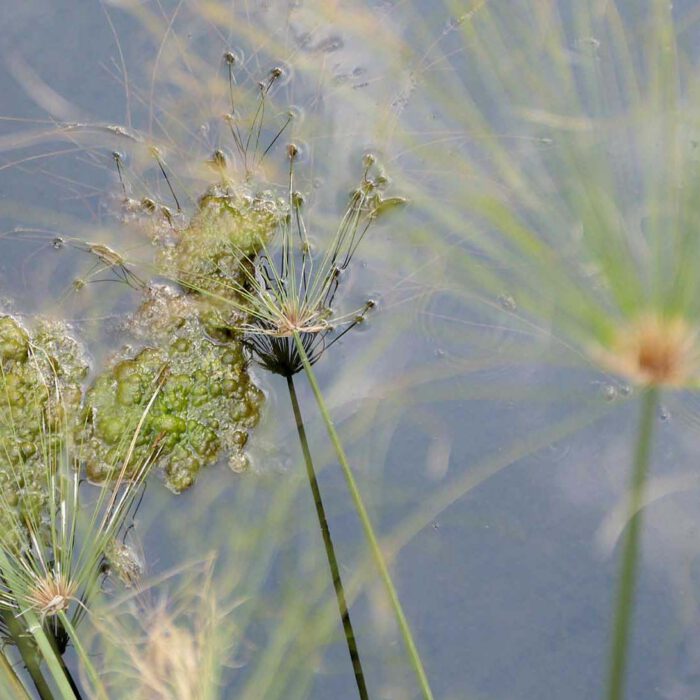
column 628, row 562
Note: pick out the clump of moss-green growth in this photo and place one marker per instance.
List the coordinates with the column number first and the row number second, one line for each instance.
column 41, row 377
column 228, row 228
column 206, row 403
column 122, row 561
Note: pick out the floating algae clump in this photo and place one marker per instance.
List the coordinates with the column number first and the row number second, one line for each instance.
column 229, row 226
column 206, row 403
column 124, row 563
column 40, row 386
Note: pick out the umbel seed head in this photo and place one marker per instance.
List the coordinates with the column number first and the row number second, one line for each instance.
column 653, row 350
column 51, row 595
column 290, row 289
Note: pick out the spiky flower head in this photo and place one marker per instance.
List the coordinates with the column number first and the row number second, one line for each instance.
column 51, row 594
column 290, row 291
column 653, row 350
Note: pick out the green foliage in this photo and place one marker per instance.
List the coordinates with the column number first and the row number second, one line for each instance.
column 40, row 390
column 208, row 401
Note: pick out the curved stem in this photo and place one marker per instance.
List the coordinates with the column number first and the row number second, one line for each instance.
column 28, row 651
column 367, row 525
column 628, row 564
column 51, row 636
column 97, row 686
column 328, row 543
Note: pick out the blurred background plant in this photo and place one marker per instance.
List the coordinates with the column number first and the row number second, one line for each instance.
column 568, row 173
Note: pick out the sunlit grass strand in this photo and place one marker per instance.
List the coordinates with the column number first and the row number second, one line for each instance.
column 377, row 554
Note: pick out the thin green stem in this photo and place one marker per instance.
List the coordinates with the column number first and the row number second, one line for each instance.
column 51, row 636
column 68, row 674
column 12, row 682
column 28, row 651
column 51, row 656
column 97, row 686
column 328, row 543
column 366, row 524
column 628, row 564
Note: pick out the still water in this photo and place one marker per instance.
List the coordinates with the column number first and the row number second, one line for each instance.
column 507, row 581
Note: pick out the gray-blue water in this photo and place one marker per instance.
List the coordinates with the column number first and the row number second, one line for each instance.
column 508, row 589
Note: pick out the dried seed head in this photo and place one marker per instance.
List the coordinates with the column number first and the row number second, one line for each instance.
column 297, row 317
column 290, row 306
column 167, row 214
column 51, row 595
column 230, row 58
column 105, row 254
column 653, row 350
